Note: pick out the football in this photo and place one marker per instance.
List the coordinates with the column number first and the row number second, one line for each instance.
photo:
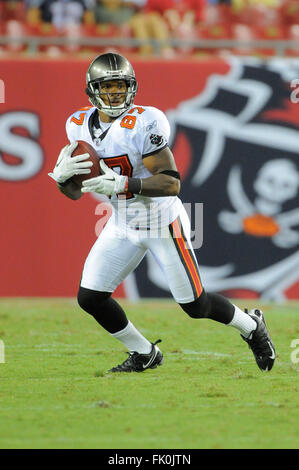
column 85, row 147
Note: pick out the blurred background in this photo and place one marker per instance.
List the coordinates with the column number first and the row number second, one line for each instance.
column 226, row 73
column 164, row 28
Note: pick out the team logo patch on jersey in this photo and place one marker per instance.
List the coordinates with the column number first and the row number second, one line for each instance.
column 156, row 139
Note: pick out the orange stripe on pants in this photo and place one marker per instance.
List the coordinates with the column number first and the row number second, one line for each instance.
column 187, row 257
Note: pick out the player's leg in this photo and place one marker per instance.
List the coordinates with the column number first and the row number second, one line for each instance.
column 177, row 259
column 110, row 260
column 251, row 325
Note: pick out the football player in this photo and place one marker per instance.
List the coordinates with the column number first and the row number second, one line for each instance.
column 139, row 175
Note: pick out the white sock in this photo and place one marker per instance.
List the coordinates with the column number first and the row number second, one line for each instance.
column 133, row 339
column 243, row 322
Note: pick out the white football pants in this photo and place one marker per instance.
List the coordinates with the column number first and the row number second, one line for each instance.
column 118, row 251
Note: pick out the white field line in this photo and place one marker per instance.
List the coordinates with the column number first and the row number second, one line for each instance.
column 55, row 349
column 205, row 353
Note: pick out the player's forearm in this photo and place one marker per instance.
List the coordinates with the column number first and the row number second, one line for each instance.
column 157, row 186
column 71, row 190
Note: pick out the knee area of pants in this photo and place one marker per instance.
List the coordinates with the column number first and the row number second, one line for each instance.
column 197, row 309
column 91, row 301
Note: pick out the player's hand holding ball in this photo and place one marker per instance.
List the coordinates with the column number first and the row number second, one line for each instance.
column 108, row 183
column 67, row 166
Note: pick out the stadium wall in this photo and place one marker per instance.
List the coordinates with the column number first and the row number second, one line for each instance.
column 235, row 138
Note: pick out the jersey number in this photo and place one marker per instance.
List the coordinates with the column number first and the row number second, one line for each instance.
column 129, row 121
column 126, row 169
column 79, row 121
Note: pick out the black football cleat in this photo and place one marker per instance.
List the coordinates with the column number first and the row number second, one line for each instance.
column 139, row 362
column 260, row 342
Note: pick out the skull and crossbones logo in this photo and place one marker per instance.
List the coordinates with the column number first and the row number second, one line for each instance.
column 277, row 182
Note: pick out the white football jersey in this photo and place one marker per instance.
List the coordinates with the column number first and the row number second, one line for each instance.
column 136, row 134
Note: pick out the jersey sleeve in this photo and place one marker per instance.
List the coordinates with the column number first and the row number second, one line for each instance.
column 70, row 131
column 155, row 133
column 75, row 122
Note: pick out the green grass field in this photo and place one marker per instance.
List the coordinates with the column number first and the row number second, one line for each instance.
column 209, row 394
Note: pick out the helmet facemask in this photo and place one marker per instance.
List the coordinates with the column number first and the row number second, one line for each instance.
column 94, row 93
